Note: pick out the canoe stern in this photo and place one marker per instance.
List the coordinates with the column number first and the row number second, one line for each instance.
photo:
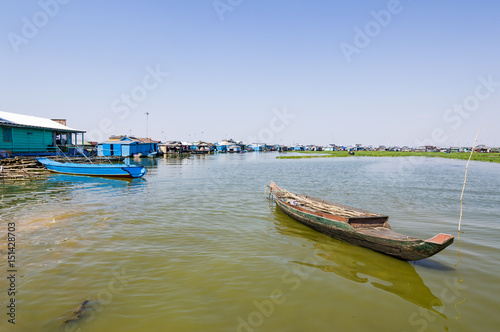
column 441, row 239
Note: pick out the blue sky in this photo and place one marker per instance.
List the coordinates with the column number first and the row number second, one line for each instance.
column 310, row 72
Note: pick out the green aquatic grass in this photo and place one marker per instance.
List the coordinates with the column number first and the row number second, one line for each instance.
column 489, row 157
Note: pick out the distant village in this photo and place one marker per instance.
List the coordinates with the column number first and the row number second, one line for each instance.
column 24, row 135
column 131, row 145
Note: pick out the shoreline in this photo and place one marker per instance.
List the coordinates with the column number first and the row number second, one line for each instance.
column 477, row 156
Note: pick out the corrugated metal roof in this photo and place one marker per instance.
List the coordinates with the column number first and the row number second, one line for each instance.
column 33, row 121
column 120, row 142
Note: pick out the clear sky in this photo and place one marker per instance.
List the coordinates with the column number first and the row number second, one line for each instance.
column 282, row 71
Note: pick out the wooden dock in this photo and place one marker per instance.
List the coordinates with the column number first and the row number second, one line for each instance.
column 21, row 168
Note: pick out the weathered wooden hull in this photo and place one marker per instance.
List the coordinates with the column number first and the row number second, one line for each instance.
column 116, row 170
column 379, row 238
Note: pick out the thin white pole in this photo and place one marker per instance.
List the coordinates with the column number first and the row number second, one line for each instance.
column 465, row 180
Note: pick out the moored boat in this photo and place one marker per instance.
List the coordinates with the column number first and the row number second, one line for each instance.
column 112, row 170
column 359, row 227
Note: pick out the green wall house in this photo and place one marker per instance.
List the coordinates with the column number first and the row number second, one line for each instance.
column 31, row 135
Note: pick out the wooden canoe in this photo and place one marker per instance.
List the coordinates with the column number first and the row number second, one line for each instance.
column 111, row 170
column 356, row 226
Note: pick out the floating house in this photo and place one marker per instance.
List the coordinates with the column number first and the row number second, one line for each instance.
column 223, row 146
column 483, row 148
column 174, row 147
column 234, row 149
column 125, row 146
column 332, row 147
column 258, row 147
column 278, row 147
column 23, row 135
column 202, row 148
column 312, row 147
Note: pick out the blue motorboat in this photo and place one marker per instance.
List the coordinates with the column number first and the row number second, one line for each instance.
column 112, row 170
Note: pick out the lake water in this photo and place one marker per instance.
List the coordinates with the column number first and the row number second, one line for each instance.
column 196, row 246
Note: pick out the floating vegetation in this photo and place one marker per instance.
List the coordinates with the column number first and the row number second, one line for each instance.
column 489, row 157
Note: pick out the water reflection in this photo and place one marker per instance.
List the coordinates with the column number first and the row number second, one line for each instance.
column 19, row 193
column 146, row 162
column 177, row 157
column 459, row 254
column 58, row 188
column 66, row 180
column 362, row 265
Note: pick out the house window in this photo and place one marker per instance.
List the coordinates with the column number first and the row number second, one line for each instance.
column 7, row 134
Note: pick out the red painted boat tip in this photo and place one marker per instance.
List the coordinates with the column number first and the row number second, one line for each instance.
column 440, row 238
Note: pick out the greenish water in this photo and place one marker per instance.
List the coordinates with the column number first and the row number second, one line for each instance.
column 196, row 246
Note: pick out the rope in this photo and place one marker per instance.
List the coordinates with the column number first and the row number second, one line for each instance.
column 79, row 150
column 60, row 150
